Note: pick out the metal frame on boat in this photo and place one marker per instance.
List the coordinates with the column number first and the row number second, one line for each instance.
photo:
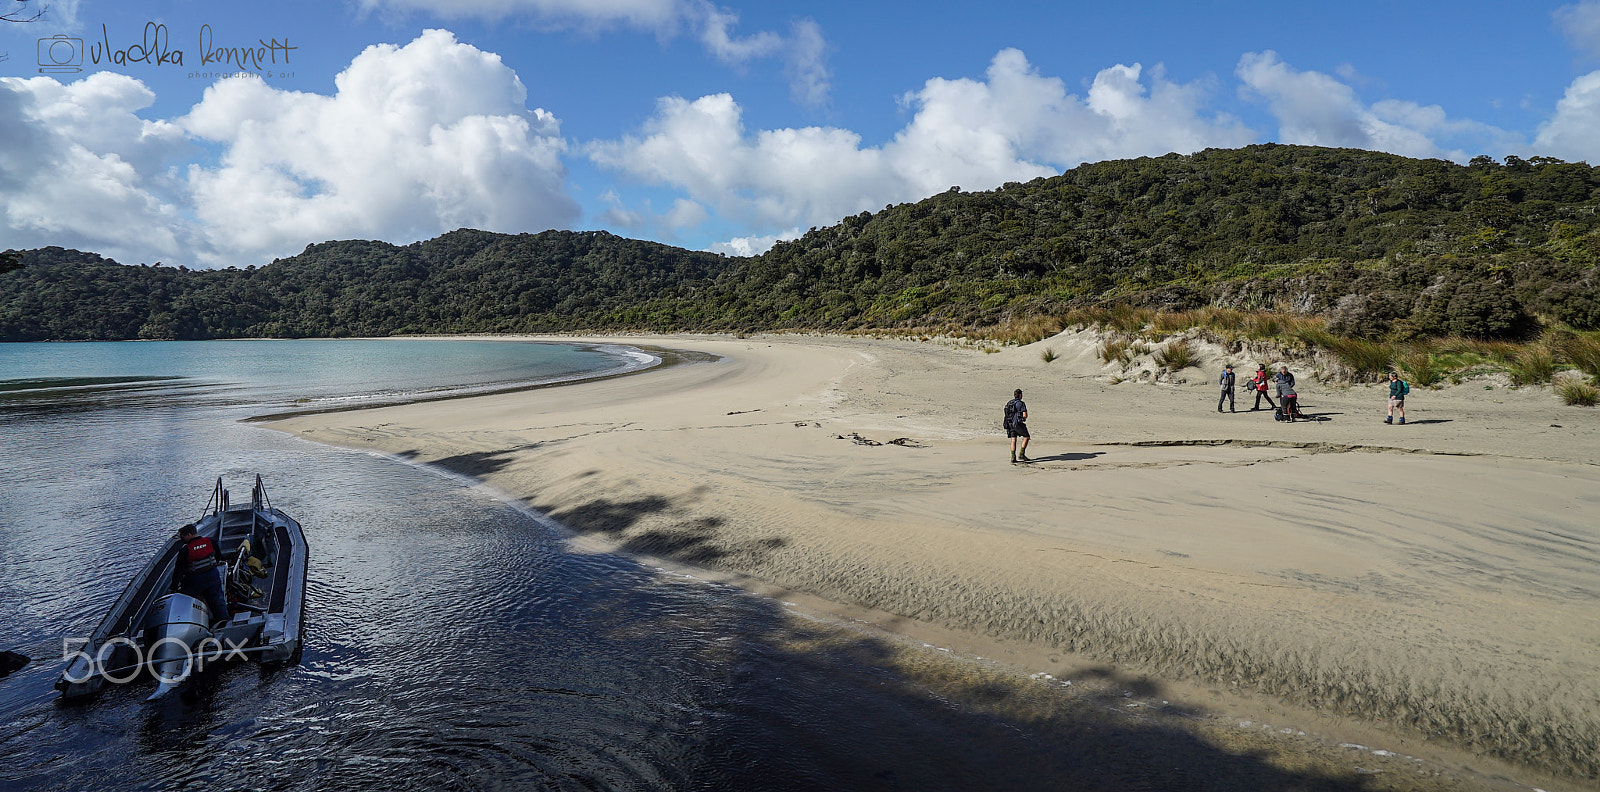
column 169, row 635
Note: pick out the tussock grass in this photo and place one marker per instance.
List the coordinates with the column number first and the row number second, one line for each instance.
column 1047, row 355
column 1584, row 353
column 1130, row 320
column 1577, row 393
column 1115, row 350
column 1532, row 365
column 1023, row 330
column 1365, row 358
column 1177, row 354
column 1419, row 367
column 1424, row 362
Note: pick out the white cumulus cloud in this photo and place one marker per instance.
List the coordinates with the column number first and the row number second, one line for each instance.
column 80, row 169
column 416, row 140
column 1317, row 109
column 1573, row 133
column 753, row 245
column 803, row 50
column 1014, row 125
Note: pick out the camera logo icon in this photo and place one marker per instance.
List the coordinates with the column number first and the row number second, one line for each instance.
column 60, row 54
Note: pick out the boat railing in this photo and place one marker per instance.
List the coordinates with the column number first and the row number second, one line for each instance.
column 258, row 496
column 217, row 502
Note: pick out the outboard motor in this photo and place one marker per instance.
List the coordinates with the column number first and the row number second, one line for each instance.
column 179, row 632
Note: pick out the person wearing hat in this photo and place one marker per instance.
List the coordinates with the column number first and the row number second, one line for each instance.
column 1226, row 381
column 1259, row 385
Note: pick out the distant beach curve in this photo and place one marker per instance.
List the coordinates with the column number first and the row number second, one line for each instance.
column 1434, row 584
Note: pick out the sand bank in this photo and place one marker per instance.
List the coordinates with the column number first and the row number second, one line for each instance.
column 1438, row 582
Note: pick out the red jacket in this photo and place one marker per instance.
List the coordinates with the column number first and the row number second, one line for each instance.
column 1259, row 381
column 198, row 554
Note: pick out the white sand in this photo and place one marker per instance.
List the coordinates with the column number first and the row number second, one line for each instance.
column 1437, row 580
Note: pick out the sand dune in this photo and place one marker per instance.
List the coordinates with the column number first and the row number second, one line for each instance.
column 1441, row 579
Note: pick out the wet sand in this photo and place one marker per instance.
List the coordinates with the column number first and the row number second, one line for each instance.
column 1433, row 589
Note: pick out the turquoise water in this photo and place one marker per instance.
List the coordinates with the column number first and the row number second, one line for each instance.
column 452, row 641
column 307, row 373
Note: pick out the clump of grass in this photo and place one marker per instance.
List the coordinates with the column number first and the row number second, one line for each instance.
column 1367, row 358
column 1177, row 354
column 1166, row 323
column 1577, row 393
column 1114, row 350
column 1047, row 355
column 1263, row 325
column 1129, row 320
column 1583, row 352
column 1420, row 368
column 1532, row 365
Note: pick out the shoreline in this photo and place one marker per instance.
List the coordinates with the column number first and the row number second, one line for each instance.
column 659, row 358
column 740, row 467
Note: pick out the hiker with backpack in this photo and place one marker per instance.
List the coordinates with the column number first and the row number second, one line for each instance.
column 1016, row 425
column 1226, row 381
column 1398, row 388
column 1258, row 383
column 1289, row 407
column 1289, row 401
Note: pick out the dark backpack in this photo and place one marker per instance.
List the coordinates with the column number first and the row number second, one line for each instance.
column 1011, row 415
column 1405, row 387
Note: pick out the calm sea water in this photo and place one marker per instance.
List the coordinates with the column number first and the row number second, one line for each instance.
column 452, row 641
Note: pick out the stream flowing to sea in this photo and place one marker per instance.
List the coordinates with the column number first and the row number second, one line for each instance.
column 452, row 640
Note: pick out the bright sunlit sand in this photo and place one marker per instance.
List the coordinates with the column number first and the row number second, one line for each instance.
column 1435, row 585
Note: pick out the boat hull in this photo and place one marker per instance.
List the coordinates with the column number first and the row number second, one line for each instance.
column 150, row 628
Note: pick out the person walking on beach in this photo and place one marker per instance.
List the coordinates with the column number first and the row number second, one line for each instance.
column 1398, row 388
column 1226, row 381
column 1258, row 383
column 1016, row 423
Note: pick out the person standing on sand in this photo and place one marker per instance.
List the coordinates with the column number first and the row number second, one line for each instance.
column 1226, row 381
column 1016, row 423
column 1258, row 383
column 1398, row 388
column 1287, row 398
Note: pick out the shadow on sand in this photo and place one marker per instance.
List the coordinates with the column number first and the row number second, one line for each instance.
column 895, row 716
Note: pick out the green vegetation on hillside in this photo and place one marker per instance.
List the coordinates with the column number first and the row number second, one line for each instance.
column 1381, row 246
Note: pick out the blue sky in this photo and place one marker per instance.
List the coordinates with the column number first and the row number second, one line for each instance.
column 712, row 125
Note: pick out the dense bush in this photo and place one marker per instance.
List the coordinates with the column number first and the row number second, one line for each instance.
column 1577, row 304
column 1368, row 315
column 1288, row 228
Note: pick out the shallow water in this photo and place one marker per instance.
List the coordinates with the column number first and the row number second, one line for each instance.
column 452, row 641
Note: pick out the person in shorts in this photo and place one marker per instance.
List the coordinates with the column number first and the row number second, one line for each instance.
column 1017, row 427
column 1397, row 398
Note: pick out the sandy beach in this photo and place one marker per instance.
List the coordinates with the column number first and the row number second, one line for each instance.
column 1431, row 588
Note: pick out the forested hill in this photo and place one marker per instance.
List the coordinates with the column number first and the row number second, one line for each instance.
column 1382, row 243
column 462, row 282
